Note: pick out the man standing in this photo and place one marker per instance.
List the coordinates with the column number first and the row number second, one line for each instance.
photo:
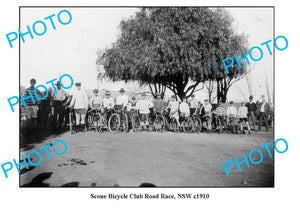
column 122, row 99
column 232, row 114
column 143, row 106
column 193, row 104
column 31, row 106
column 108, row 104
column 158, row 104
column 264, row 112
column 80, row 104
column 251, row 106
column 59, row 109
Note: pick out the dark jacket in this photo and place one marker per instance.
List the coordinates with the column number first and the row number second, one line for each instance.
column 267, row 108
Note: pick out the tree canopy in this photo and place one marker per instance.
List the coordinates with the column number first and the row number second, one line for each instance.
column 174, row 48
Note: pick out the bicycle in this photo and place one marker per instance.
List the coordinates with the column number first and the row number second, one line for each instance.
column 118, row 121
column 72, row 120
column 231, row 124
column 136, row 121
column 158, row 122
column 187, row 124
column 197, row 123
column 94, row 119
column 207, row 121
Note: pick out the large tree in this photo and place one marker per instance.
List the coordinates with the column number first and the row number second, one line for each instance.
column 174, row 48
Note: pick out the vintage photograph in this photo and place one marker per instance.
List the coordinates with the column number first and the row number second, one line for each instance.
column 147, row 97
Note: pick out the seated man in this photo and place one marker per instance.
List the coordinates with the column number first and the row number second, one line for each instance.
column 232, row 113
column 243, row 117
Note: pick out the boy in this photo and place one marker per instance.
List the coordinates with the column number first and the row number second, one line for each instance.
column 243, row 116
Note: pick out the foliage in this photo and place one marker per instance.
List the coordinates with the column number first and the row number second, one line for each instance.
column 175, row 48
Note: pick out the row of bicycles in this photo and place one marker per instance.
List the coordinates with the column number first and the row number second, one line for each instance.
column 119, row 120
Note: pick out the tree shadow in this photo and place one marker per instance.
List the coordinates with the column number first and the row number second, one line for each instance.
column 147, row 185
column 24, row 170
column 71, row 184
column 37, row 181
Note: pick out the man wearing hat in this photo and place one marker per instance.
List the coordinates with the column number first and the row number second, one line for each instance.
column 122, row 99
column 251, row 106
column 96, row 101
column 158, row 104
column 58, row 102
column 193, row 104
column 263, row 112
column 108, row 104
column 144, row 106
column 80, row 104
column 31, row 108
column 232, row 113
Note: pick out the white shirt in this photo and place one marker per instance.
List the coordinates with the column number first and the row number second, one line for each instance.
column 262, row 109
column 193, row 103
column 184, row 108
column 122, row 100
column 207, row 107
column 108, row 103
column 242, row 112
column 79, row 99
column 144, row 105
column 60, row 95
column 96, row 101
column 231, row 111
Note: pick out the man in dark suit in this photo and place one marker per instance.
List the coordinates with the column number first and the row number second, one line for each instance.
column 252, row 108
column 264, row 111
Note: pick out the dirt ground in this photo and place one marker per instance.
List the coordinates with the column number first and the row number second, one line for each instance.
column 165, row 159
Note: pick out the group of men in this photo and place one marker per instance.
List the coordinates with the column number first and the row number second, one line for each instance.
column 176, row 109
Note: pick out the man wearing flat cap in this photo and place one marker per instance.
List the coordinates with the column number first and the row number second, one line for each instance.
column 108, row 104
column 96, row 101
column 122, row 99
column 80, row 104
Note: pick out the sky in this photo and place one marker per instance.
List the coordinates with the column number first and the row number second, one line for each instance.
column 72, row 48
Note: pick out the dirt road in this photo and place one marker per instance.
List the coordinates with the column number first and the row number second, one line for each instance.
column 164, row 159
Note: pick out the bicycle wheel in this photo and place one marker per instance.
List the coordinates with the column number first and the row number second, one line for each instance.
column 188, row 125
column 136, row 123
column 173, row 125
column 159, row 123
column 114, row 123
column 197, row 124
column 97, row 121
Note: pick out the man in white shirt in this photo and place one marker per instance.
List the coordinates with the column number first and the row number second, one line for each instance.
column 184, row 110
column 59, row 100
column 96, row 101
column 193, row 104
column 243, row 117
column 122, row 99
column 207, row 108
column 80, row 104
column 174, row 108
column 108, row 104
column 232, row 113
column 143, row 106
